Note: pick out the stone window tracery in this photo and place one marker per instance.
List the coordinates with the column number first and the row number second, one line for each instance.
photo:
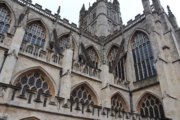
column 5, row 19
column 143, row 57
column 117, row 103
column 93, row 56
column 35, row 82
column 35, row 34
column 64, row 41
column 81, row 94
column 151, row 106
column 120, row 68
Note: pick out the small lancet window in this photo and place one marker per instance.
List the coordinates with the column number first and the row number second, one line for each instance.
column 4, row 19
column 144, row 63
column 35, row 35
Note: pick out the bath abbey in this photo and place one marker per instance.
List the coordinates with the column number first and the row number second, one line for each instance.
column 100, row 69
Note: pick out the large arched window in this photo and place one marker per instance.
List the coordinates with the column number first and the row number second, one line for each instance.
column 118, row 103
column 36, row 82
column 143, row 57
column 151, row 106
column 119, row 71
column 35, row 34
column 5, row 19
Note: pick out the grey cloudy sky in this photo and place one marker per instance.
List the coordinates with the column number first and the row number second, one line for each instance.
column 129, row 8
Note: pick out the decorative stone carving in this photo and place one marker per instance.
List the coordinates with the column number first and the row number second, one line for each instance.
column 13, row 53
column 103, row 57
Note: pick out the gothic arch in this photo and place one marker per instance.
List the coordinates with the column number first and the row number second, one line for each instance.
column 39, row 69
column 109, row 49
column 123, row 100
column 13, row 21
column 73, row 39
column 90, row 90
column 150, row 100
column 94, row 48
column 134, row 33
column 44, row 25
column 30, row 118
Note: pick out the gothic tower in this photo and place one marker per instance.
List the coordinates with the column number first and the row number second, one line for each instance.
column 102, row 18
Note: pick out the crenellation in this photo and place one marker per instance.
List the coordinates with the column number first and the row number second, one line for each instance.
column 48, row 11
column 38, row 6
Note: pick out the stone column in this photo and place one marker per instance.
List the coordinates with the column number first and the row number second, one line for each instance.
column 66, row 78
column 11, row 59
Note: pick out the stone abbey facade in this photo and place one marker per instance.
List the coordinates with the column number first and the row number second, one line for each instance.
column 51, row 69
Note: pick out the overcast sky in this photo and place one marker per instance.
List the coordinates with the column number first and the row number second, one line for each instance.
column 129, row 8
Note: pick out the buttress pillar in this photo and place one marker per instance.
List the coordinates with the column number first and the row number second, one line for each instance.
column 66, row 78
column 11, row 59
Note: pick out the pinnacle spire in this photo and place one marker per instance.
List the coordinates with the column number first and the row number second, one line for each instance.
column 170, row 12
column 59, row 9
column 83, row 8
column 115, row 2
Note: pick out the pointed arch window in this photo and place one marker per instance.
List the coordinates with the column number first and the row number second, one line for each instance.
column 34, row 82
column 144, row 63
column 118, row 103
column 35, row 35
column 151, row 106
column 5, row 19
column 83, row 95
column 119, row 71
column 93, row 56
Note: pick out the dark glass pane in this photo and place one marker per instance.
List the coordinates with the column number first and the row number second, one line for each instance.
column 157, row 102
column 136, row 72
column 89, row 97
column 141, row 53
column 39, row 94
column 151, row 112
column 25, row 36
column 161, row 111
column 33, row 40
column 74, row 93
column 29, row 37
column 38, row 83
column 36, row 75
column 42, row 43
column 82, row 101
column 82, row 88
column 6, row 28
column 140, row 71
column 1, row 26
column 156, row 111
column 31, row 81
column 18, row 85
column 143, row 105
column 147, row 103
column 24, row 80
column 142, row 112
column 45, row 86
column 79, row 94
column 149, row 49
column 152, row 102
column 138, row 55
column 24, row 90
column 134, row 56
column 145, row 51
column 149, row 67
column 146, row 112
column 144, row 69
column 38, row 41
column 153, row 66
column 84, row 95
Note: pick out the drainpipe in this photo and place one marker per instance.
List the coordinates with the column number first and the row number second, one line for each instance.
column 60, row 79
column 5, row 56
